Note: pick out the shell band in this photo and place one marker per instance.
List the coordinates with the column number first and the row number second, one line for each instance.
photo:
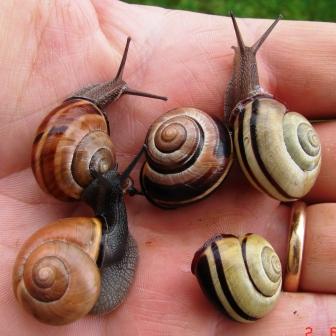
column 240, row 275
column 295, row 247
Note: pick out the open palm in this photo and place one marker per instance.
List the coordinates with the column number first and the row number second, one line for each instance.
column 50, row 49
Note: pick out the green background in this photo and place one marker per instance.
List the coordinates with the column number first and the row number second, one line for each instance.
column 316, row 10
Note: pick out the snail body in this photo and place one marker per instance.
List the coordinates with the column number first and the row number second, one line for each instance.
column 72, row 143
column 240, row 276
column 188, row 156
column 278, row 150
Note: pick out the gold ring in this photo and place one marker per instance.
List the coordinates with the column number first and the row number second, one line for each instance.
column 295, row 247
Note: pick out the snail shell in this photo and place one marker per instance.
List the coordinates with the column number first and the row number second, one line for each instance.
column 55, row 276
column 188, row 156
column 241, row 276
column 279, row 151
column 71, row 144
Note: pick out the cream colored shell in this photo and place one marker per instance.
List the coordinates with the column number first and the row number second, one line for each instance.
column 279, row 151
column 242, row 276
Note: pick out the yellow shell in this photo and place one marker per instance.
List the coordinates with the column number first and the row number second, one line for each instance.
column 278, row 151
column 241, row 276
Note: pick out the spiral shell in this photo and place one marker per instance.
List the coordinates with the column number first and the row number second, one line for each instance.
column 241, row 276
column 188, row 156
column 72, row 142
column 55, row 276
column 279, row 151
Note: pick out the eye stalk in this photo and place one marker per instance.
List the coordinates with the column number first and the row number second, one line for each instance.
column 245, row 78
column 103, row 94
column 257, row 44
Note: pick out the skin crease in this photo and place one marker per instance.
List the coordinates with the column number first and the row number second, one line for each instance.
column 49, row 49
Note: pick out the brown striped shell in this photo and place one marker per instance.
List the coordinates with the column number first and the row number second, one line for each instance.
column 279, row 151
column 71, row 143
column 188, row 156
column 241, row 276
column 55, row 276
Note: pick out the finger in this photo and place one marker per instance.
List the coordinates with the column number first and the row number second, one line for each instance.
column 58, row 51
column 203, row 91
column 306, row 47
column 262, row 217
column 318, row 264
column 324, row 189
column 299, row 58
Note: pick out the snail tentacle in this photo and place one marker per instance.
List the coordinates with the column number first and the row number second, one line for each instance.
column 104, row 94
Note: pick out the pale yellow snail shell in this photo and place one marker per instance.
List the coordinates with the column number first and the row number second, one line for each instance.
column 241, row 276
column 279, row 151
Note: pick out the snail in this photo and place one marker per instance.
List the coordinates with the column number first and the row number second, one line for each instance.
column 279, row 151
column 240, row 276
column 73, row 140
column 79, row 265
column 188, row 155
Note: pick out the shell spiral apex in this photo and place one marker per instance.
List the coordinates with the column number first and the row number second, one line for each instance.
column 188, row 156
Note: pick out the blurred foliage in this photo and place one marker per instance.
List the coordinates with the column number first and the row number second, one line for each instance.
column 312, row 10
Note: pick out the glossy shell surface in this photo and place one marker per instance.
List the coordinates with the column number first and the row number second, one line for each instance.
column 188, row 156
column 278, row 151
column 71, row 142
column 240, row 276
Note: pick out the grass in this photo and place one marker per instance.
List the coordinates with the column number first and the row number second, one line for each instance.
column 312, row 10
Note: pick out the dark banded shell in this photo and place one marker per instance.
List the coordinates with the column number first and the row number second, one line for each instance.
column 241, row 276
column 278, row 151
column 188, row 156
column 72, row 142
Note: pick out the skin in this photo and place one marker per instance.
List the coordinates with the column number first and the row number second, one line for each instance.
column 50, row 49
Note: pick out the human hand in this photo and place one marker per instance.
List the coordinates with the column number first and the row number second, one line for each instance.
column 61, row 46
